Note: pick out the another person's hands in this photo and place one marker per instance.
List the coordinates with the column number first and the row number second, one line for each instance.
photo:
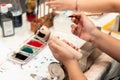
column 60, row 5
column 83, row 27
column 62, row 51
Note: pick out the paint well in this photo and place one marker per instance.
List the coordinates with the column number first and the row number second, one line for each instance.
column 35, row 43
column 28, row 50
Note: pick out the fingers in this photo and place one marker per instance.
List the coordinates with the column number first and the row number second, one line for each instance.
column 60, row 48
column 84, row 18
column 56, row 43
column 54, row 47
column 53, row 4
column 57, row 5
column 75, row 20
column 74, row 29
column 75, row 17
column 78, row 17
column 70, row 44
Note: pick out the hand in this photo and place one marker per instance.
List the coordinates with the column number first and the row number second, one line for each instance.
column 70, row 44
column 60, row 5
column 62, row 51
column 83, row 27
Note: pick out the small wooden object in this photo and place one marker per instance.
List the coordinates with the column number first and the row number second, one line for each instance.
column 42, row 34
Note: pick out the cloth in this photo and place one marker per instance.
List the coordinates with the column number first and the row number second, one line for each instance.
column 116, row 77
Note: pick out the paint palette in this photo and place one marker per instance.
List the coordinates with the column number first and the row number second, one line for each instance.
column 32, row 46
column 27, row 51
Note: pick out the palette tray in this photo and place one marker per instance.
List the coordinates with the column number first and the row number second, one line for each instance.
column 27, row 50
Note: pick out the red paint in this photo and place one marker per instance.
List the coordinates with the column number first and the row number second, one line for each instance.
column 31, row 17
column 21, row 66
column 35, row 43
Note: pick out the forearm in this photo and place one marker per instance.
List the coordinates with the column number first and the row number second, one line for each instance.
column 99, row 5
column 74, row 71
column 108, row 44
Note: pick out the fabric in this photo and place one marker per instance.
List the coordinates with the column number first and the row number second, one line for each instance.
column 116, row 77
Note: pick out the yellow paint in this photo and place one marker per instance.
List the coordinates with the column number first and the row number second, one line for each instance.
column 108, row 25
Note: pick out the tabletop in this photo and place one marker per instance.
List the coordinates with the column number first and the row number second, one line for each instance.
column 39, row 64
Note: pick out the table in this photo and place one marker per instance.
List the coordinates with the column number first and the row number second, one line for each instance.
column 38, row 65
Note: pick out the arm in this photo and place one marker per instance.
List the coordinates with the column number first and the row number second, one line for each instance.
column 74, row 71
column 99, row 5
column 107, row 44
column 86, row 5
column 86, row 30
column 66, row 55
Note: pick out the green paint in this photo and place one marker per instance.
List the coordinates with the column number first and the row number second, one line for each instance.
column 51, row 59
column 42, row 62
column 28, row 50
column 36, row 67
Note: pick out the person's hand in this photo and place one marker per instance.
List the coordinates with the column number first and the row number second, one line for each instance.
column 83, row 27
column 70, row 44
column 62, row 51
column 60, row 5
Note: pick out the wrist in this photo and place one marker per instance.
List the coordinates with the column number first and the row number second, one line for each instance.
column 76, row 5
column 74, row 71
column 69, row 63
column 95, row 36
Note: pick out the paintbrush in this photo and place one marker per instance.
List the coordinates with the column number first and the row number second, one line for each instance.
column 77, row 17
column 88, row 14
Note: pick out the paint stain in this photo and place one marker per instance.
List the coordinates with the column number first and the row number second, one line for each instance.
column 42, row 63
column 27, row 49
column 35, row 43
